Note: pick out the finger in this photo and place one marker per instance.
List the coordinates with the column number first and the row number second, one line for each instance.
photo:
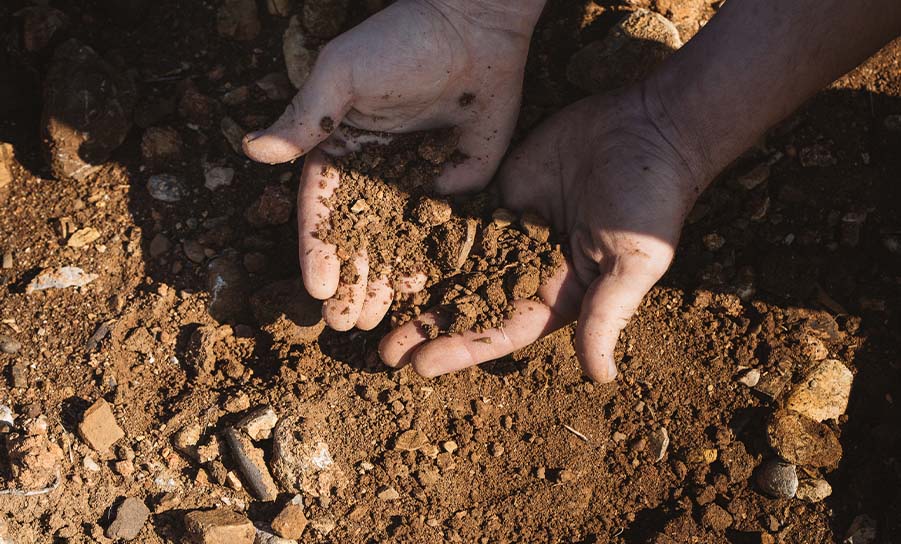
column 319, row 265
column 342, row 311
column 530, row 321
column 379, row 296
column 484, row 141
column 313, row 114
column 560, row 297
column 606, row 308
column 408, row 285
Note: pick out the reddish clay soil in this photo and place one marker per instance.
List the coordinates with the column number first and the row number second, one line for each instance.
column 801, row 267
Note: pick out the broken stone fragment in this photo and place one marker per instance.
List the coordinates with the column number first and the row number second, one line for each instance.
column 234, row 134
column 299, row 59
column 411, row 440
column 803, row 441
column 99, row 428
column 258, row 424
column 252, row 465
column 128, row 520
column 60, row 278
column 632, row 48
column 813, row 490
column 824, row 392
column 217, row 176
column 219, row 527
column 658, row 442
column 88, row 107
column 301, row 461
column 290, row 522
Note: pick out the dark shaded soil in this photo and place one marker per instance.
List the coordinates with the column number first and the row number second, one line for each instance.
column 795, row 276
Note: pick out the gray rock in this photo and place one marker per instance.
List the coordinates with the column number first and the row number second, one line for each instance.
column 217, row 176
column 88, row 107
column 778, row 479
column 9, row 345
column 252, row 465
column 299, row 59
column 166, row 188
column 130, row 517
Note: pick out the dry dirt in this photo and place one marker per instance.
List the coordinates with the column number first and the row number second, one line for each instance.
column 791, row 257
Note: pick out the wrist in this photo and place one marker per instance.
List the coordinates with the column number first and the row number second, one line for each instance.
column 682, row 126
column 520, row 16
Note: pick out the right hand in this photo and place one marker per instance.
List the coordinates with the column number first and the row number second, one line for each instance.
column 416, row 65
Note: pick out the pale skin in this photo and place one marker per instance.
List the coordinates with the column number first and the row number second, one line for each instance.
column 615, row 174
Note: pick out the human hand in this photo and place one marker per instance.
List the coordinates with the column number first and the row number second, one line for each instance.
column 616, row 181
column 416, row 65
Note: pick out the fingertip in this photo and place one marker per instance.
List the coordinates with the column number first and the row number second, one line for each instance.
column 392, row 351
column 271, row 148
column 602, row 373
column 322, row 288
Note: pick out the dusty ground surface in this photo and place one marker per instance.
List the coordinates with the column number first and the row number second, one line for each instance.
column 803, row 266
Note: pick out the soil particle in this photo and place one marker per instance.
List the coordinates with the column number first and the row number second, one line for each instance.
column 274, row 207
column 128, row 520
column 778, row 478
column 87, row 110
column 802, row 441
column 716, row 517
column 219, row 527
column 99, row 428
column 387, row 493
column 253, row 467
column 411, row 440
column 34, row 459
column 824, row 392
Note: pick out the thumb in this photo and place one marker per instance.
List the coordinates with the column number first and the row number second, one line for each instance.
column 608, row 304
column 310, row 118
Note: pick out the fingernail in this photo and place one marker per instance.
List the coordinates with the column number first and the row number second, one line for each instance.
column 251, row 136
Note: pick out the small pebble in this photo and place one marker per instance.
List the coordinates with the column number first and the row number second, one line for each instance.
column 778, row 479
column 824, row 392
column 219, row 527
column 130, row 518
column 9, row 345
column 658, row 442
column 387, row 493
column 166, row 188
column 813, row 490
column 749, row 378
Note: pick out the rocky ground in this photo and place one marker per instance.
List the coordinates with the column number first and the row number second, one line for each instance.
column 165, row 377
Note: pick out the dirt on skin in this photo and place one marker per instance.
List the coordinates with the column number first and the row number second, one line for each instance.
column 790, row 258
column 476, row 264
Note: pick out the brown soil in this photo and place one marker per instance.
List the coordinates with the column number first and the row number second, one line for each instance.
column 804, row 265
column 476, row 264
